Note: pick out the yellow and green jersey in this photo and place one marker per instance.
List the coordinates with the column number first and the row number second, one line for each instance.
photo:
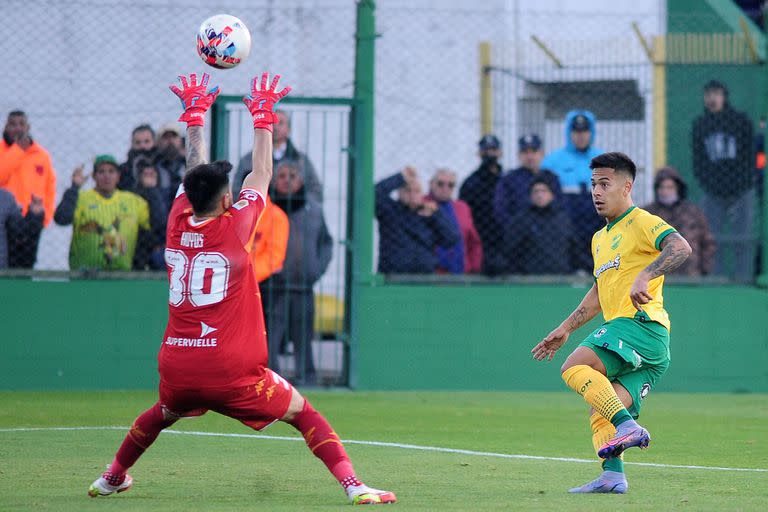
column 105, row 230
column 621, row 250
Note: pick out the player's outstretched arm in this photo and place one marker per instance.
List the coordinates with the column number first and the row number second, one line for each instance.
column 196, row 99
column 586, row 311
column 674, row 251
column 261, row 104
column 197, row 151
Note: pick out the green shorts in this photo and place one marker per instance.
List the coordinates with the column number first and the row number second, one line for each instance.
column 635, row 352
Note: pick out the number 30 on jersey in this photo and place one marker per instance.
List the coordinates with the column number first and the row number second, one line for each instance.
column 187, row 279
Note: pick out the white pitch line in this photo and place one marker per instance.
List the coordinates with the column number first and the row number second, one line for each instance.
column 393, row 445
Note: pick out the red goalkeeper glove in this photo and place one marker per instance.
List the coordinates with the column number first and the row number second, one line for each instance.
column 262, row 100
column 195, row 99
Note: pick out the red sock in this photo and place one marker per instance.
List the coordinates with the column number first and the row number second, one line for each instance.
column 143, row 433
column 325, row 444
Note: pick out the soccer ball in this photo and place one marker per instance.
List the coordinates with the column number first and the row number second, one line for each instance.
column 223, row 41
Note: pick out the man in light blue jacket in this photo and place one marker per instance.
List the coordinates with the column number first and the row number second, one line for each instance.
column 571, row 165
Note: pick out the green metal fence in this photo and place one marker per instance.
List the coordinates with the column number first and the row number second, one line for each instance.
column 320, row 133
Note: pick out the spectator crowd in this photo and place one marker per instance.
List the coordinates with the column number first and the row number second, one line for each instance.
column 536, row 218
column 119, row 223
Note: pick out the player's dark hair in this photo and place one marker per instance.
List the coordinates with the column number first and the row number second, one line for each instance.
column 617, row 161
column 143, row 128
column 205, row 184
column 17, row 113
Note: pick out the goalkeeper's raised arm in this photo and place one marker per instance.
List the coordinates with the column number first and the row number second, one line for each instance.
column 196, row 98
column 261, row 104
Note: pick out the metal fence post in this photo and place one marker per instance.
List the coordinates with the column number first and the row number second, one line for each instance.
column 360, row 228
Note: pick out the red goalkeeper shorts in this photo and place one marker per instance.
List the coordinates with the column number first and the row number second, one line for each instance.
column 256, row 405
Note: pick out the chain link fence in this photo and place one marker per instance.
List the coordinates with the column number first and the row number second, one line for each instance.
column 92, row 93
column 487, row 115
column 446, row 75
column 716, row 105
column 101, row 68
column 551, row 86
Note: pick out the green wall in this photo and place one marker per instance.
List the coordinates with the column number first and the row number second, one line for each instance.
column 418, row 337
column 81, row 334
column 105, row 334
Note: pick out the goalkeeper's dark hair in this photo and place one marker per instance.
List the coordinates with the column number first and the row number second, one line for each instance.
column 617, row 161
column 205, row 184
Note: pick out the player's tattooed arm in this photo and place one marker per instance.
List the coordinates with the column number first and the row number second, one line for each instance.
column 197, row 152
column 674, row 251
column 577, row 318
column 586, row 311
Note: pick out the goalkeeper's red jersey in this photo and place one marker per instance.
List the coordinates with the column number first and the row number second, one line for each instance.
column 215, row 336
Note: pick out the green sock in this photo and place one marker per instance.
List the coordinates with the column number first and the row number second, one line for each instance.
column 620, row 417
column 613, row 464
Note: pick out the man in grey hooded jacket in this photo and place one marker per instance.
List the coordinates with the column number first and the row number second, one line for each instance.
column 290, row 302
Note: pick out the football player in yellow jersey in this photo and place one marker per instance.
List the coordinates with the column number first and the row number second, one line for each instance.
column 616, row 366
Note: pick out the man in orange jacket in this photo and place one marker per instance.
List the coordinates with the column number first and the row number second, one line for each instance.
column 268, row 247
column 270, row 242
column 27, row 173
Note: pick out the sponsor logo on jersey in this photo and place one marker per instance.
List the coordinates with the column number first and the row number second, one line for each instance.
column 240, row 204
column 193, row 240
column 206, row 329
column 601, row 332
column 614, row 263
column 191, row 342
column 645, row 390
column 658, row 226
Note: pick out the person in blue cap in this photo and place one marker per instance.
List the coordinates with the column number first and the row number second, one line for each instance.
column 512, row 192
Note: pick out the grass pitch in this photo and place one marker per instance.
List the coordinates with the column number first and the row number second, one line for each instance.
column 51, row 469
